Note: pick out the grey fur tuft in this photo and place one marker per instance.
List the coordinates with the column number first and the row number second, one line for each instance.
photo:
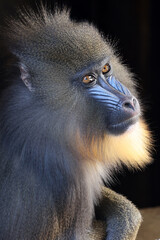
column 50, row 37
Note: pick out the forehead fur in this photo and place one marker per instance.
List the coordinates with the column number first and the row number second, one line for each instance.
column 55, row 38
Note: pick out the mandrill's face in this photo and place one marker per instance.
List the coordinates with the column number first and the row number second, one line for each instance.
column 119, row 108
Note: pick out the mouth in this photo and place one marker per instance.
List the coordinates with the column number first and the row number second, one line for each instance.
column 122, row 127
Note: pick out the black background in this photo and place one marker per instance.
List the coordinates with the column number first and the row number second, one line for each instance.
column 134, row 26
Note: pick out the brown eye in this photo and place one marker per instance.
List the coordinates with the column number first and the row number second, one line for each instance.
column 106, row 68
column 88, row 79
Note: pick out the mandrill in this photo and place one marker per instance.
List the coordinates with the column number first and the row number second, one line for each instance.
column 69, row 115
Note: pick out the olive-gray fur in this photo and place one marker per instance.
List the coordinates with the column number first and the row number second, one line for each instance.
column 45, row 192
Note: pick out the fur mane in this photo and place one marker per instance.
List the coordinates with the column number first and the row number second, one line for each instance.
column 131, row 148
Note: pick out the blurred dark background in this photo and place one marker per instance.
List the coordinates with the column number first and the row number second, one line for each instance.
column 134, row 26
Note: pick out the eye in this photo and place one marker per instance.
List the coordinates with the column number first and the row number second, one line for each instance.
column 106, row 68
column 88, row 79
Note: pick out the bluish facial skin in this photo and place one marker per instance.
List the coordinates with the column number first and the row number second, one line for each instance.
column 120, row 108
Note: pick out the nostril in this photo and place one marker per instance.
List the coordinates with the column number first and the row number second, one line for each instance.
column 134, row 102
column 129, row 104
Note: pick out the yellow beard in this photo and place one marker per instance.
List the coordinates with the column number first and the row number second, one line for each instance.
column 131, row 148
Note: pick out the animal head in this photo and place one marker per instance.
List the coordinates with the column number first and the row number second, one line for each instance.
column 74, row 71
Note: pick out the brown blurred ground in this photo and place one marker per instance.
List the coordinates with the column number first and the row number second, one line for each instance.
column 150, row 228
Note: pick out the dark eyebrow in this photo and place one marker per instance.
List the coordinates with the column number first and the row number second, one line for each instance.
column 93, row 66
